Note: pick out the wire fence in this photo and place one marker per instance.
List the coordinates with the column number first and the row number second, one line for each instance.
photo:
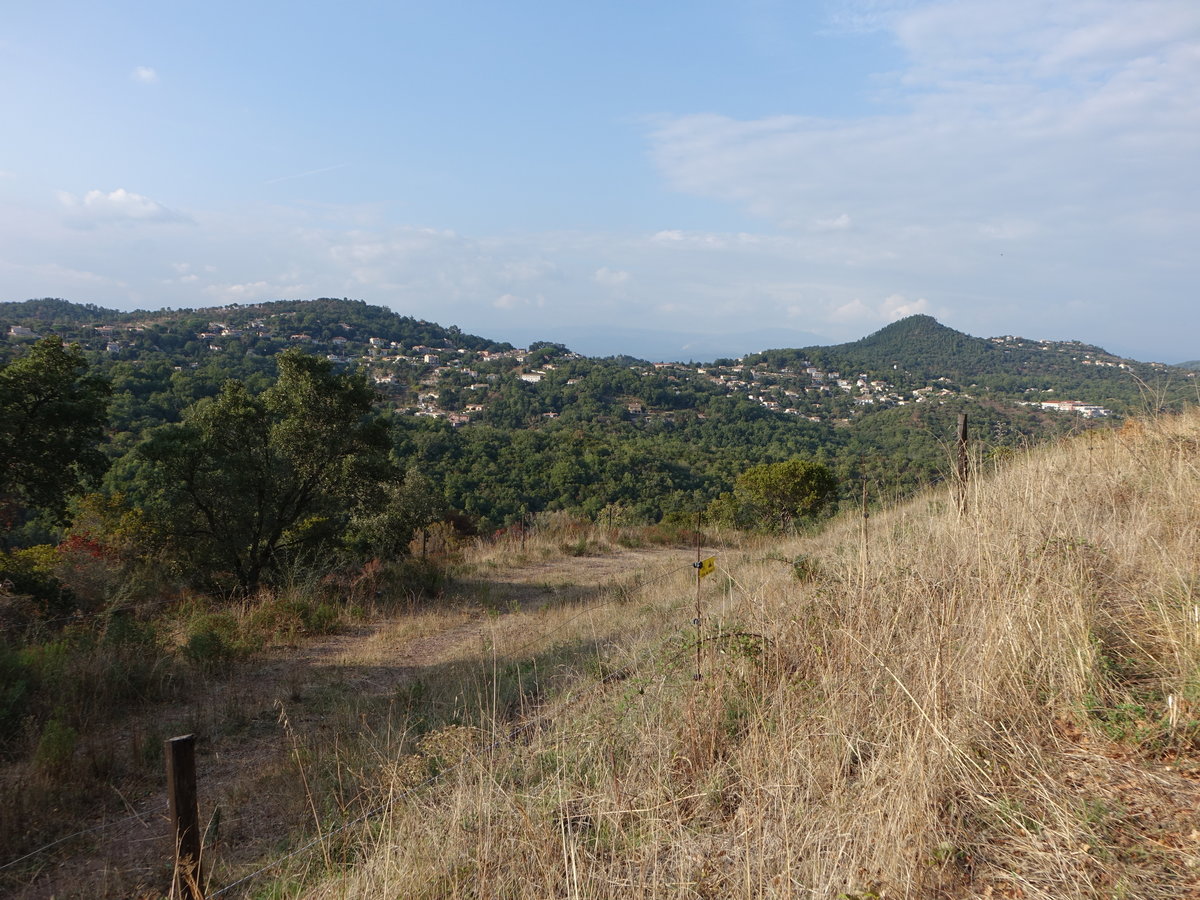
column 71, row 837
column 80, row 616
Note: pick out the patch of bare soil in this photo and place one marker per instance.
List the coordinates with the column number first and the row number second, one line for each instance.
column 253, row 724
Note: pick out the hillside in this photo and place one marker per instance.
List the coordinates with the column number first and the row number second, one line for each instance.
column 918, row 350
column 993, row 702
column 998, row 704
column 506, row 431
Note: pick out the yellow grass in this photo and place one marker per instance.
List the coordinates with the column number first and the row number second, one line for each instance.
column 996, row 703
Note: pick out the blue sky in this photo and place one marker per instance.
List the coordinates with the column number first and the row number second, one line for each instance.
column 761, row 170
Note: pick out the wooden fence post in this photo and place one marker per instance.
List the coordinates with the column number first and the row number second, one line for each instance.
column 962, row 462
column 184, row 810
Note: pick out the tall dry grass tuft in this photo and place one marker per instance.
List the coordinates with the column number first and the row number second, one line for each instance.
column 996, row 703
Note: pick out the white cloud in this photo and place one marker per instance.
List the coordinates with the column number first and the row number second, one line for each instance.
column 1007, row 110
column 610, row 277
column 144, row 75
column 97, row 208
column 525, row 270
column 1026, row 156
column 512, row 301
column 897, row 307
column 838, row 223
column 890, row 309
column 253, row 291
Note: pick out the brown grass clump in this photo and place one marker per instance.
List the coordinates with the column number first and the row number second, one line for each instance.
column 997, row 703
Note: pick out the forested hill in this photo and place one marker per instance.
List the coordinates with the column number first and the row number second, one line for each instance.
column 320, row 321
column 920, row 350
column 504, row 431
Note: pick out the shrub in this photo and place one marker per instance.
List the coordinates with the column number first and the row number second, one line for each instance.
column 213, row 640
column 56, row 747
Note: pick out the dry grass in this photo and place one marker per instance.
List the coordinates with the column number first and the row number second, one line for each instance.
column 944, row 705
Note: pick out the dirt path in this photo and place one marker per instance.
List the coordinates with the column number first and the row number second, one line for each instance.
column 251, row 725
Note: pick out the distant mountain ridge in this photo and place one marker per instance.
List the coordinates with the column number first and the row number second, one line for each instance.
column 919, row 349
column 922, row 345
column 912, row 350
column 325, row 315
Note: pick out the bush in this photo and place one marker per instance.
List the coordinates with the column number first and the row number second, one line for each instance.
column 213, row 640
column 30, row 573
column 286, row 618
column 16, row 683
column 56, row 748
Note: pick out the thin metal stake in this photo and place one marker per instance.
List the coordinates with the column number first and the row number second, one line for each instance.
column 696, row 621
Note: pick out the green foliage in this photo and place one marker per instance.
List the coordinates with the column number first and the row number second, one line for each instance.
column 213, row 640
column 918, row 350
column 806, row 568
column 30, row 574
column 56, row 747
column 384, row 524
column 774, row 496
column 54, row 413
column 246, row 481
column 15, row 689
column 287, row 617
column 80, row 675
column 592, row 434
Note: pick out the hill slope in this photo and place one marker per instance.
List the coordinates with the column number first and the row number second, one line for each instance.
column 919, row 350
column 505, row 431
column 996, row 704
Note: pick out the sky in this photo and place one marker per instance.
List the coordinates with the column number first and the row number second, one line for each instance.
column 689, row 175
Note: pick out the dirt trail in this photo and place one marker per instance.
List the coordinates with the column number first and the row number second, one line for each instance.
column 244, row 744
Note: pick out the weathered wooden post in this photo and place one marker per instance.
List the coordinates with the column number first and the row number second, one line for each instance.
column 184, row 810
column 962, row 462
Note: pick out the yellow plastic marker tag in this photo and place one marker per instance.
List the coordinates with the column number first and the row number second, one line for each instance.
column 707, row 567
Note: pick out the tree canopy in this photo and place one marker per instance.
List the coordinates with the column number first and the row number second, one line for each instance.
column 244, row 480
column 54, row 412
column 774, row 496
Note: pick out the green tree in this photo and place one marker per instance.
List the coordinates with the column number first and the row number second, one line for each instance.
column 245, row 481
column 773, row 496
column 384, row 526
column 54, row 413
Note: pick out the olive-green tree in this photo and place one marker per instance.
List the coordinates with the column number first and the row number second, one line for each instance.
column 244, row 481
column 774, row 496
column 53, row 412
